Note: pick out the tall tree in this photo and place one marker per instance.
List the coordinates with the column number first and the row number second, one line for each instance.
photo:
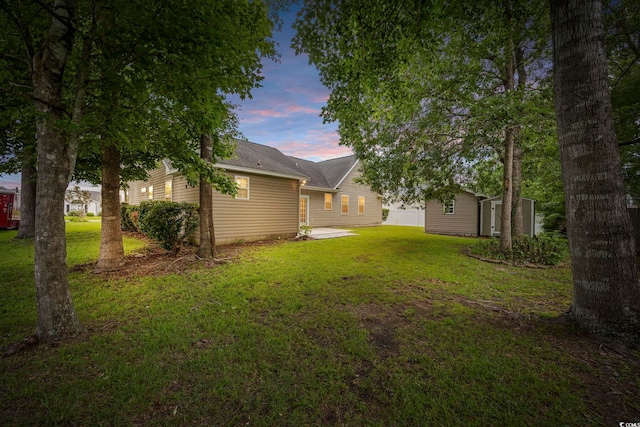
column 17, row 118
column 603, row 254
column 168, row 71
column 56, row 158
column 424, row 91
column 207, row 247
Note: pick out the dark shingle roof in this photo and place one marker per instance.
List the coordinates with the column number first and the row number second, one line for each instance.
column 326, row 174
column 260, row 158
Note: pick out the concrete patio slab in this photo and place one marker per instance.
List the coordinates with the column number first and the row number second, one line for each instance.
column 329, row 233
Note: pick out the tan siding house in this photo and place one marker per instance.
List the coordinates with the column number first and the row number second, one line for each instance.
column 458, row 218
column 276, row 194
column 326, row 210
column 472, row 214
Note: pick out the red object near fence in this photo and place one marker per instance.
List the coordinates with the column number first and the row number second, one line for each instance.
column 9, row 209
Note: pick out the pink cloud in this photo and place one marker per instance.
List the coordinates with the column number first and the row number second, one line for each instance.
column 297, row 109
column 10, row 182
column 313, row 94
column 315, row 145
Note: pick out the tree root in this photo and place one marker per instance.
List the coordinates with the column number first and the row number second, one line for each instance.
column 29, row 343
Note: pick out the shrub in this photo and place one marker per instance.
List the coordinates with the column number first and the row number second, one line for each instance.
column 126, row 220
column 74, row 212
column 305, row 231
column 545, row 249
column 385, row 214
column 142, row 210
column 169, row 223
column 90, row 214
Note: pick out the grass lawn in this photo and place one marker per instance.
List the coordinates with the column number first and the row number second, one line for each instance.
column 388, row 328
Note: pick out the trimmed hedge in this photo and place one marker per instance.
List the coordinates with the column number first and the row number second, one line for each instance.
column 169, row 223
column 126, row 221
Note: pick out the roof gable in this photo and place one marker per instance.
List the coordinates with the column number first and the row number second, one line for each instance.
column 261, row 159
column 327, row 174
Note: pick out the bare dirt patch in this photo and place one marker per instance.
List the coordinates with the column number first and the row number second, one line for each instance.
column 155, row 261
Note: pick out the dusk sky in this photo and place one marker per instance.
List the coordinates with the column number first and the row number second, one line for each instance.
column 285, row 112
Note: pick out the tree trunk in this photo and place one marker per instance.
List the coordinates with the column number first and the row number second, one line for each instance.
column 517, row 220
column 56, row 315
column 603, row 258
column 509, row 141
column 507, row 191
column 207, row 248
column 111, row 247
column 27, row 229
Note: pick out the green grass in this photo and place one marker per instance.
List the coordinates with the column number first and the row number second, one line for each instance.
column 390, row 327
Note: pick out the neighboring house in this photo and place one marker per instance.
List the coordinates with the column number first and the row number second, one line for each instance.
column 471, row 214
column 94, row 205
column 276, row 194
column 401, row 214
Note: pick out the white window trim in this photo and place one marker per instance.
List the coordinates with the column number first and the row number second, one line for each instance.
column 325, row 201
column 342, row 204
column 168, row 182
column 453, row 208
column 364, row 209
column 150, row 192
column 235, row 179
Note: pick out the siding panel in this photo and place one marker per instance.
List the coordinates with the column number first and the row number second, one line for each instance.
column 319, row 217
column 272, row 208
column 463, row 222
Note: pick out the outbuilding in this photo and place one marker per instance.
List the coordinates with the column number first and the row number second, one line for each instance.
column 491, row 216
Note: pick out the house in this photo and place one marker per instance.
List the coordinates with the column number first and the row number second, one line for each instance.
column 472, row 214
column 276, row 194
column 92, row 204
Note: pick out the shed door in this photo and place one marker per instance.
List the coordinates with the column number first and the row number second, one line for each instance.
column 304, row 210
column 496, row 218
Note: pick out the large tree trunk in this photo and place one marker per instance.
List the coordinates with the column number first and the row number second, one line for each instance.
column 111, row 247
column 517, row 219
column 56, row 315
column 207, row 247
column 507, row 191
column 509, row 142
column 27, row 227
column 603, row 257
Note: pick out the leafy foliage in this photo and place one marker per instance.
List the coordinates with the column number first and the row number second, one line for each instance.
column 420, row 89
column 623, row 43
column 170, row 223
column 545, row 249
column 127, row 222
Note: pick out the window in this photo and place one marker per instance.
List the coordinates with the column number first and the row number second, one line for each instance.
column 360, row 205
column 150, row 192
column 242, row 183
column 328, row 201
column 345, row 205
column 143, row 190
column 448, row 208
column 168, row 185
